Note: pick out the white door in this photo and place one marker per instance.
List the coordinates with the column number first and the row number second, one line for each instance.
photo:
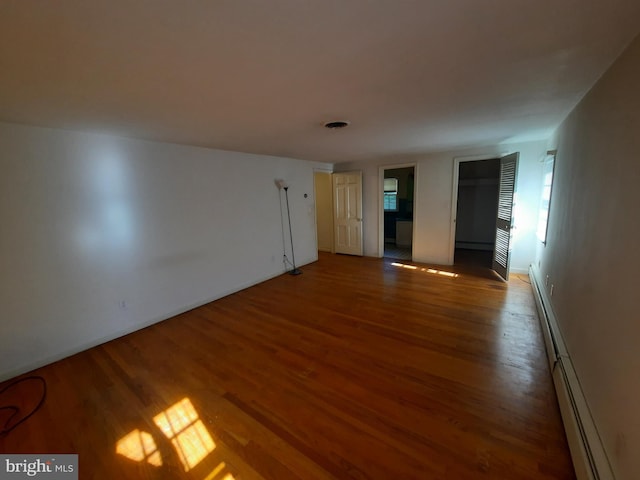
column 504, row 221
column 347, row 212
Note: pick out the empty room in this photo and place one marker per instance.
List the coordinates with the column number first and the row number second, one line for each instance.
column 319, row 240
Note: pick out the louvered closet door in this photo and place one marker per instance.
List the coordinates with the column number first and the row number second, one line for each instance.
column 504, row 222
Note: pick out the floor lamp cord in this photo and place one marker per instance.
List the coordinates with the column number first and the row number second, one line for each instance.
column 295, row 271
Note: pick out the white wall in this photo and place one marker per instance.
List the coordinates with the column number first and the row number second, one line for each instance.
column 592, row 258
column 433, row 199
column 91, row 221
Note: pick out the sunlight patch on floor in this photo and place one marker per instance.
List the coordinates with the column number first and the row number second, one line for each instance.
column 139, row 446
column 182, row 426
column 188, row 435
column 444, row 273
column 215, row 472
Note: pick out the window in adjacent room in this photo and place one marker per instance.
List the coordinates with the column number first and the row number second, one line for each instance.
column 545, row 201
column 390, row 194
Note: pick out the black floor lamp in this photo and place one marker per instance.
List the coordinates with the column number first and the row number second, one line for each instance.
column 281, row 184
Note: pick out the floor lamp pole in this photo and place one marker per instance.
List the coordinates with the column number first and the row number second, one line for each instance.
column 295, row 271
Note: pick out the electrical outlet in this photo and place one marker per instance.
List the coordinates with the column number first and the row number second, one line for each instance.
column 551, row 291
column 122, row 304
column 546, row 281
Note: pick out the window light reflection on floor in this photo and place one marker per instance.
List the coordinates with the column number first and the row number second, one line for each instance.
column 216, row 471
column 410, row 267
column 428, row 270
column 139, row 446
column 188, row 435
column 182, row 426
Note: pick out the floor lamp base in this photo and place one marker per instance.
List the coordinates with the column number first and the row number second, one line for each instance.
column 295, row 271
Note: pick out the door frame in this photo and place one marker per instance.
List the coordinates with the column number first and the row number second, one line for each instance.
column 454, row 194
column 381, row 170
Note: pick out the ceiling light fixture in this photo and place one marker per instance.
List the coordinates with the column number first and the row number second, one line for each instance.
column 336, row 124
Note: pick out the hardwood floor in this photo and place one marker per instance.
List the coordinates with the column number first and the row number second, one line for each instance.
column 356, row 369
column 479, row 258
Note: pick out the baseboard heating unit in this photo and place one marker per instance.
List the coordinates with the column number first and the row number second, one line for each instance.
column 587, row 452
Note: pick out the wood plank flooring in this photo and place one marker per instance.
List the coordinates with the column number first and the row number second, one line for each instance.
column 357, row 369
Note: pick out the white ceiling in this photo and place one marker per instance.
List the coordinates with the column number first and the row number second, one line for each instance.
column 263, row 76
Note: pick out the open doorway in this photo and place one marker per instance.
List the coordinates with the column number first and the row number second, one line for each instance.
column 322, row 182
column 477, row 203
column 397, row 205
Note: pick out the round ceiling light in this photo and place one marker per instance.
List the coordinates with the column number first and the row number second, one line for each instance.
column 336, row 124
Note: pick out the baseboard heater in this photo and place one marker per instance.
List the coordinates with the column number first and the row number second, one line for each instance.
column 587, row 452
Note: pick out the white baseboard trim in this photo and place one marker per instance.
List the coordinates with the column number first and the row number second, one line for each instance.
column 587, row 452
column 41, row 362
